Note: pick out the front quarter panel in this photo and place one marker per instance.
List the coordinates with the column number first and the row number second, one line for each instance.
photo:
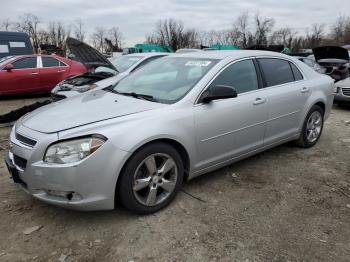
column 129, row 133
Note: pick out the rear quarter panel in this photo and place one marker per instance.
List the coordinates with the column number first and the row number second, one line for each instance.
column 321, row 90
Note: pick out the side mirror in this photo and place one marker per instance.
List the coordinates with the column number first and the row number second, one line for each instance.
column 9, row 67
column 218, row 92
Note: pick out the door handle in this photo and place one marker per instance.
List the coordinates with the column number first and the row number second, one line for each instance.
column 259, row 101
column 305, row 90
column 60, row 71
column 34, row 73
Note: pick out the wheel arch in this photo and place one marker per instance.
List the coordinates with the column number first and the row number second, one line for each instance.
column 319, row 102
column 179, row 147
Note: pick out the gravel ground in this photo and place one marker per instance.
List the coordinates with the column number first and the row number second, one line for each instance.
column 287, row 204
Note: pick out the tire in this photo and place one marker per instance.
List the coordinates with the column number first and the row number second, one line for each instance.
column 306, row 139
column 145, row 166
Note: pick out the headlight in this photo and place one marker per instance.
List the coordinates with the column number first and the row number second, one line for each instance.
column 82, row 89
column 72, row 151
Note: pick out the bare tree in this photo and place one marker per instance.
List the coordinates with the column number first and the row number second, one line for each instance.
column 98, row 38
column 29, row 23
column 6, row 25
column 116, row 39
column 283, row 36
column 171, row 32
column 340, row 30
column 315, row 35
column 263, row 26
column 241, row 26
column 78, row 29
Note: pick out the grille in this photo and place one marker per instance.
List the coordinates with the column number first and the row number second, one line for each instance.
column 346, row 91
column 20, row 162
column 25, row 140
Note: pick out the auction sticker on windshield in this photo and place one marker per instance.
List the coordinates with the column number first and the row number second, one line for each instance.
column 198, row 63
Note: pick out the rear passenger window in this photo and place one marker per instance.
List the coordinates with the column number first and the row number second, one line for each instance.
column 297, row 75
column 28, row 62
column 50, row 62
column 241, row 75
column 276, row 71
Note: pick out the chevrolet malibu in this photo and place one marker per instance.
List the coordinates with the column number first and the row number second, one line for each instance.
column 136, row 141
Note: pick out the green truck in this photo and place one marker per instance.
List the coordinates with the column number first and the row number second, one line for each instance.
column 223, row 47
column 146, row 48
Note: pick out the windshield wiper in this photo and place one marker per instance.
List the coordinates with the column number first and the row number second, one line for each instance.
column 132, row 94
column 137, row 95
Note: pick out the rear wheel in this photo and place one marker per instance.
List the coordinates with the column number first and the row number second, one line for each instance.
column 151, row 178
column 312, row 127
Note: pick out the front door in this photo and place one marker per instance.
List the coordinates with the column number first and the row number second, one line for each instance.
column 228, row 128
column 22, row 79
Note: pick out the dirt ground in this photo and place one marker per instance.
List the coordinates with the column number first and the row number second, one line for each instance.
column 287, row 204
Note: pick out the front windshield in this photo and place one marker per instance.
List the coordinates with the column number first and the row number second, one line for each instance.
column 167, row 79
column 5, row 60
column 123, row 63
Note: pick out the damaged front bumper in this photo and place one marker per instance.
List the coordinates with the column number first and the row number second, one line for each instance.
column 86, row 185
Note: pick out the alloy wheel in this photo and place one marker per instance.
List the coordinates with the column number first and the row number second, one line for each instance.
column 314, row 126
column 155, row 179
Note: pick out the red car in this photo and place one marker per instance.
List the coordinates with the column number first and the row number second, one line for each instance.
column 29, row 74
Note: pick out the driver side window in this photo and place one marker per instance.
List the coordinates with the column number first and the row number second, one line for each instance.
column 241, row 75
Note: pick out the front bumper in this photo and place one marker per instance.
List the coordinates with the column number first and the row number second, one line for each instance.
column 342, row 95
column 87, row 185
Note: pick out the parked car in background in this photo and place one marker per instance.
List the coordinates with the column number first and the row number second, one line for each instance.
column 122, row 66
column 30, row 74
column 310, row 61
column 174, row 119
column 333, row 60
column 342, row 95
column 15, row 43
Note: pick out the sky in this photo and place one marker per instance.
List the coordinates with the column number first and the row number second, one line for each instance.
column 136, row 19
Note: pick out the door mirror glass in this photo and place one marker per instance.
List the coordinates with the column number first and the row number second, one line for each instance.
column 218, row 92
column 9, row 67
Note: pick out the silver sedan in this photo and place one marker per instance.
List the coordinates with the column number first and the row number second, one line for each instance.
column 179, row 117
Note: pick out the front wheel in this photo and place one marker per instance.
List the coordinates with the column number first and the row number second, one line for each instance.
column 151, row 178
column 312, row 127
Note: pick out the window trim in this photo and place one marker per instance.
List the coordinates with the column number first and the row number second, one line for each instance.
column 280, row 58
column 290, row 65
column 196, row 103
column 42, row 65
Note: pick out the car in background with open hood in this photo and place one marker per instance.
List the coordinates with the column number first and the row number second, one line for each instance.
column 334, row 61
column 100, row 68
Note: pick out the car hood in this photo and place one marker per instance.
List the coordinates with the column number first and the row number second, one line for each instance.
column 343, row 83
column 82, row 80
column 87, row 55
column 85, row 109
column 331, row 52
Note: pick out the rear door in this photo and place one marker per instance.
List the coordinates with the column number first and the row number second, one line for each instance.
column 24, row 78
column 52, row 71
column 287, row 94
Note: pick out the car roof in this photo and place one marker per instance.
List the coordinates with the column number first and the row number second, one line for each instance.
column 148, row 54
column 233, row 54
